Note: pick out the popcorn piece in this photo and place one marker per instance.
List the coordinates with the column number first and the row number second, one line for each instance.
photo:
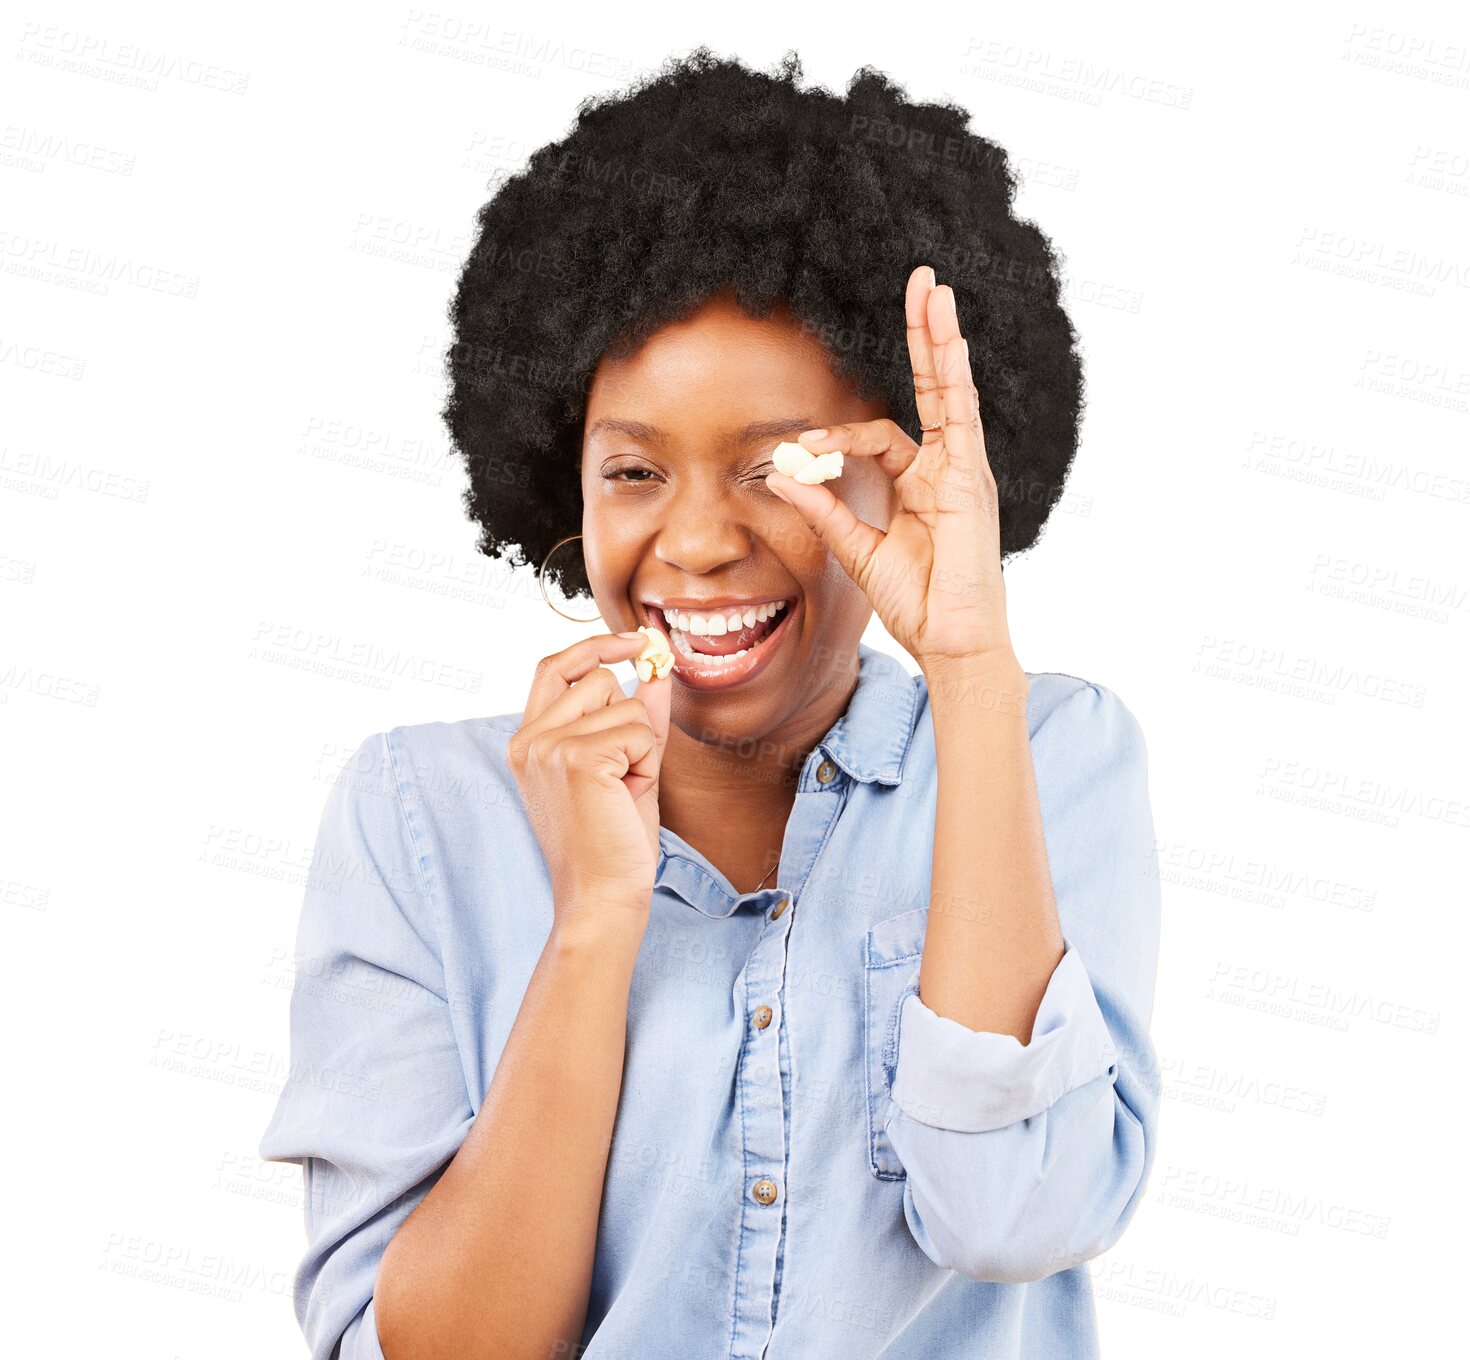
column 822, row 468
column 655, row 658
column 804, row 467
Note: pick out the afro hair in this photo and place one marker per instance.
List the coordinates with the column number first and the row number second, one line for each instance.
column 707, row 176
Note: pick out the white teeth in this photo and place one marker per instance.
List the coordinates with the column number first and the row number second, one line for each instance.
column 710, row 660
column 718, row 625
column 683, row 622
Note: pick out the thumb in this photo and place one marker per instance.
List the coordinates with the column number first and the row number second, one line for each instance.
column 850, row 540
column 655, row 695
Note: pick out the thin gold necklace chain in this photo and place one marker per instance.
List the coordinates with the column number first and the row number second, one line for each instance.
column 769, row 872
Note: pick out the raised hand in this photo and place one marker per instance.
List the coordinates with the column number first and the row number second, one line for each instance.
column 586, row 759
column 934, row 577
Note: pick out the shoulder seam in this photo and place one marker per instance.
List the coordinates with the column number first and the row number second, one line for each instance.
column 1067, row 675
column 1132, row 728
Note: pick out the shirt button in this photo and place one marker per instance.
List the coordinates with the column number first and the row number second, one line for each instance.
column 826, row 772
column 762, row 1016
column 779, row 908
column 763, row 1191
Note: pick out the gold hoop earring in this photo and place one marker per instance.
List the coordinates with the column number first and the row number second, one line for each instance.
column 541, row 577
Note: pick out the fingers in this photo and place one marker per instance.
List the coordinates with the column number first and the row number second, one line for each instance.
column 886, row 443
column 625, row 710
column 850, row 540
column 921, row 347
column 656, row 696
column 593, row 692
column 881, row 440
column 561, row 740
column 927, row 399
column 557, row 673
column 611, row 751
column 572, row 689
column 964, row 460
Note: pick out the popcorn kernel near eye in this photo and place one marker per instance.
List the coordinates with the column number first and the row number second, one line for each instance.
column 822, row 468
column 804, row 467
column 656, row 658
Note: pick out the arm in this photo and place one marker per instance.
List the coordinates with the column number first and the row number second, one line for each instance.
column 1025, row 1158
column 497, row 1260
column 993, row 937
column 433, row 1231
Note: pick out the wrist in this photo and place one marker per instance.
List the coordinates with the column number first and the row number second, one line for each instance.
column 991, row 682
column 597, row 930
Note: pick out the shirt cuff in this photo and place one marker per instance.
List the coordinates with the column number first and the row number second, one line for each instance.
column 973, row 1081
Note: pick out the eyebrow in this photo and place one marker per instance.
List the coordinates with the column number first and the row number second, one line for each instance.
column 651, row 434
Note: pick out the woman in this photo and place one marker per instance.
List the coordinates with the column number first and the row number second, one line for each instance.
column 790, row 1005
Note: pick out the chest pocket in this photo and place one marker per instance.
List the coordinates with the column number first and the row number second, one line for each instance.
column 892, row 953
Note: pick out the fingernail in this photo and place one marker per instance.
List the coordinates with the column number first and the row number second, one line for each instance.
column 631, row 635
column 813, row 434
column 933, row 277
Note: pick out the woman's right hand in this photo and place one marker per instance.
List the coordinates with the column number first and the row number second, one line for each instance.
column 587, row 761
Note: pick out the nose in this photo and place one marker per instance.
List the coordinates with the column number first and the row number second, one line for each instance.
column 701, row 533
column 702, row 542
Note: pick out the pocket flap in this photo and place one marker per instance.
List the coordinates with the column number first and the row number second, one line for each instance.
column 898, row 937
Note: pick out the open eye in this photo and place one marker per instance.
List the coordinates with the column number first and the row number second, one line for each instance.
column 636, row 475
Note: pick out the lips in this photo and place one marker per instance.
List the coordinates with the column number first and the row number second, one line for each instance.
column 707, row 670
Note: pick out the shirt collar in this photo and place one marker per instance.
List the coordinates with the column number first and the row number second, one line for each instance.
column 871, row 739
column 869, row 742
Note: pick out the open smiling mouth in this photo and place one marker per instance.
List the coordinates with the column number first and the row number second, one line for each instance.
column 717, row 648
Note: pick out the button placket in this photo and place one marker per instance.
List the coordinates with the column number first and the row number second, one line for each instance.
column 763, row 1119
column 760, row 1253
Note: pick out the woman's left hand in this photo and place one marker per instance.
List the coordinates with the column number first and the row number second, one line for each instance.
column 934, row 577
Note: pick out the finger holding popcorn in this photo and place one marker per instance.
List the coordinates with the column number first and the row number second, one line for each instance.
column 852, row 541
column 884, row 441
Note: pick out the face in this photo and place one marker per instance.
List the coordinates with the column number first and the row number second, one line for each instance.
column 678, row 523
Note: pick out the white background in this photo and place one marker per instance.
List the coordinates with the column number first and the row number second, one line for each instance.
column 228, row 510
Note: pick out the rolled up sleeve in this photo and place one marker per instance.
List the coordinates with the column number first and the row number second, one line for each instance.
column 1021, row 1160
column 376, row 1102
column 953, row 1077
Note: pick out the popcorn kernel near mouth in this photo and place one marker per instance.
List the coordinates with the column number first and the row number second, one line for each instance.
column 805, row 467
column 656, row 658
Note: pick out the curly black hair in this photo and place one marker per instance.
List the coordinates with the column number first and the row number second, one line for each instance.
column 708, row 176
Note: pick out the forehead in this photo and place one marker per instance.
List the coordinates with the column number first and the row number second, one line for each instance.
column 719, row 367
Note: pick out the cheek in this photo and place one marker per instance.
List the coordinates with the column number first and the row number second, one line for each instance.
column 832, row 594
column 610, row 546
column 786, row 535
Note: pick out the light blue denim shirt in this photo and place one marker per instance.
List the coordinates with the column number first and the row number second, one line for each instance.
column 936, row 1188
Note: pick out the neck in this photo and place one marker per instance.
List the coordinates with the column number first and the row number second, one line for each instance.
column 701, row 781
column 731, row 800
